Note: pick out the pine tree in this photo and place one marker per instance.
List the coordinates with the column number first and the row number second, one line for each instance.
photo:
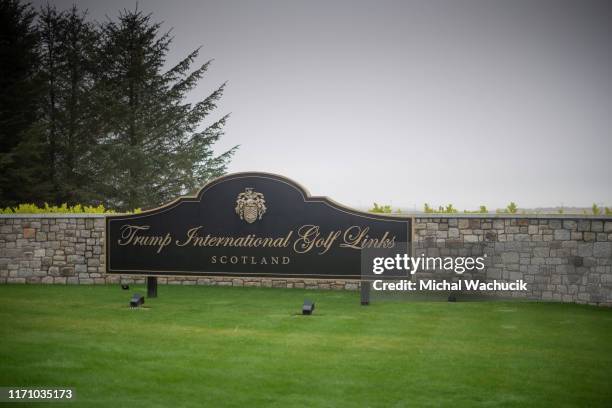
column 151, row 147
column 23, row 175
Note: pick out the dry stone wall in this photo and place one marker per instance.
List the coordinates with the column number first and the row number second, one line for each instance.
column 562, row 258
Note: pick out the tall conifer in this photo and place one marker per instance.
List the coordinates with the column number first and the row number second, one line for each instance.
column 152, row 144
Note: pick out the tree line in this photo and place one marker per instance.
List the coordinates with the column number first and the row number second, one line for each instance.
column 91, row 114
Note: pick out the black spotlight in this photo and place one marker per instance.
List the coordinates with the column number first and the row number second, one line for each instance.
column 125, row 287
column 452, row 298
column 308, row 307
column 137, row 300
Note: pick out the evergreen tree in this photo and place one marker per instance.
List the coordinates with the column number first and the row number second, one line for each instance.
column 151, row 145
column 23, row 176
column 66, row 50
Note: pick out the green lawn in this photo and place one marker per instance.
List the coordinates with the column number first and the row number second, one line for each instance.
column 219, row 346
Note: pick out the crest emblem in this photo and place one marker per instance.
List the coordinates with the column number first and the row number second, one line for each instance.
column 250, row 205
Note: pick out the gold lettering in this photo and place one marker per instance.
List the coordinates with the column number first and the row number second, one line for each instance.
column 307, row 236
column 287, row 238
column 129, row 235
column 191, row 234
column 310, row 237
column 354, row 236
column 128, row 232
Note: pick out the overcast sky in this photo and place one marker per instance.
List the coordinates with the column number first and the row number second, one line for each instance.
column 406, row 102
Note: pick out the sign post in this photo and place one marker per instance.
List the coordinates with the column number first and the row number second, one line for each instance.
column 151, row 286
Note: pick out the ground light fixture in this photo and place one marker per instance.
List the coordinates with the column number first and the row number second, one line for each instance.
column 308, row 307
column 137, row 300
column 125, row 287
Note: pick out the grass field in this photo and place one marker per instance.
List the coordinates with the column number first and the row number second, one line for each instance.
column 218, row 346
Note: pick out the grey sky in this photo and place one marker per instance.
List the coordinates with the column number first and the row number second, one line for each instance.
column 406, row 102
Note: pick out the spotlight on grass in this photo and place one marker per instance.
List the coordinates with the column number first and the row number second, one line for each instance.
column 308, row 307
column 452, row 298
column 125, row 287
column 137, row 300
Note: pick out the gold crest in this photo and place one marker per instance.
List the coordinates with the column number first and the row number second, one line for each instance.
column 250, row 205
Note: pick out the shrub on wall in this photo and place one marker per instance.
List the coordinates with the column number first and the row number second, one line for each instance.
column 449, row 209
column 383, row 209
column 481, row 210
column 62, row 209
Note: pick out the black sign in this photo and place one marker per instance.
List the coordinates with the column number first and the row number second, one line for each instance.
column 250, row 224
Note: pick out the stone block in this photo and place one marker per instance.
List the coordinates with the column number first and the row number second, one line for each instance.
column 541, row 252
column 67, row 271
column 602, row 249
column 585, row 249
column 510, row 257
column 491, row 236
column 576, row 260
column 29, row 233
column 561, row 235
column 432, row 226
column 453, row 233
column 73, row 259
column 470, row 238
column 589, row 236
column 555, row 245
column 584, row 225
column 498, row 224
column 515, row 275
column 93, row 262
column 569, row 225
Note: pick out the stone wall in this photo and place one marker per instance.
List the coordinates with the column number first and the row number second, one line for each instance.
column 563, row 258
column 53, row 249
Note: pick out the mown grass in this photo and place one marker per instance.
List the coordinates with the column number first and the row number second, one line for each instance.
column 219, row 346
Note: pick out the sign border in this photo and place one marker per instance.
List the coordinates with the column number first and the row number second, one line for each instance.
column 200, row 194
